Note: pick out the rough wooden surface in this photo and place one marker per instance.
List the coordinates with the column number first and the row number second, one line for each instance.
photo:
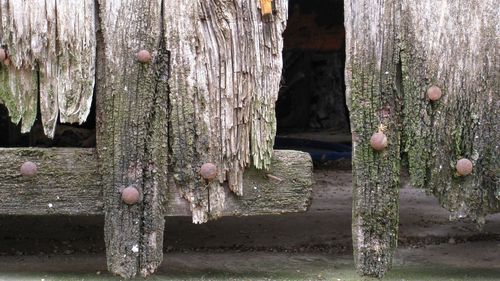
column 132, row 132
column 69, row 180
column 51, row 47
column 396, row 50
column 285, row 188
column 373, row 97
column 226, row 68
column 454, row 46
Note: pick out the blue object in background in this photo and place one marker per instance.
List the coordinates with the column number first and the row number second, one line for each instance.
column 319, row 150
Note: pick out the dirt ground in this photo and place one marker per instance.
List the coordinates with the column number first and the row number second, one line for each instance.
column 315, row 245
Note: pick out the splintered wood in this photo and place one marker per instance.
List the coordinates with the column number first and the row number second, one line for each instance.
column 56, row 38
column 226, row 68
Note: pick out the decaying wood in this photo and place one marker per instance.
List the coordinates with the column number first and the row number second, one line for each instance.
column 66, row 183
column 374, row 102
column 69, row 180
column 395, row 52
column 131, row 139
column 226, row 68
column 454, row 46
column 262, row 195
column 51, row 47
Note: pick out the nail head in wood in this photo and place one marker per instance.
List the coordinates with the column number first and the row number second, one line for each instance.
column 434, row 93
column 208, row 171
column 378, row 141
column 143, row 56
column 28, row 169
column 130, row 195
column 3, row 54
column 464, row 167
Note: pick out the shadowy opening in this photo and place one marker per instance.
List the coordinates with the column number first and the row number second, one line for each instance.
column 66, row 135
column 311, row 110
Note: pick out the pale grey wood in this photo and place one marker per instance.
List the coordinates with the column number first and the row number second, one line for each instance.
column 226, row 65
column 51, row 47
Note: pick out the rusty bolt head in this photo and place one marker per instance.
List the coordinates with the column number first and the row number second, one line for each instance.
column 434, row 93
column 378, row 141
column 28, row 169
column 208, row 171
column 130, row 195
column 143, row 56
column 3, row 54
column 464, row 167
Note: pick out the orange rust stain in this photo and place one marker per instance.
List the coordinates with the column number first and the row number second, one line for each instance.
column 266, row 7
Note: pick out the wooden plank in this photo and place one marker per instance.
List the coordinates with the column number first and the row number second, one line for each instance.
column 225, row 77
column 285, row 188
column 132, row 131
column 66, row 183
column 68, row 179
column 373, row 96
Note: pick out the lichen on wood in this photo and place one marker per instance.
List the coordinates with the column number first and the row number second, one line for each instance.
column 373, row 100
column 455, row 47
column 132, row 132
column 396, row 50
column 68, row 182
column 51, row 47
column 226, row 68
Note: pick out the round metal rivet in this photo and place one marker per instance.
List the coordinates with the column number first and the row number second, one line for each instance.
column 378, row 141
column 143, row 56
column 464, row 167
column 28, row 169
column 208, row 171
column 130, row 195
column 434, row 93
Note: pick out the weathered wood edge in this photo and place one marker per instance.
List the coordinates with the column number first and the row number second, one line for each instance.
column 373, row 94
column 68, row 179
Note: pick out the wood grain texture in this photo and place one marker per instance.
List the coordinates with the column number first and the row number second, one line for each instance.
column 69, row 179
column 51, row 47
column 226, row 68
column 374, row 100
column 396, row 50
column 454, row 46
column 132, row 133
column 67, row 182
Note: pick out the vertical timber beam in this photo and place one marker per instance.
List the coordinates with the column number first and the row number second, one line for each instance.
column 226, row 65
column 373, row 97
column 453, row 47
column 132, row 97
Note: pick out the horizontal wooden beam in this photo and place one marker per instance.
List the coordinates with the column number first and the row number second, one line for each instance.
column 67, row 182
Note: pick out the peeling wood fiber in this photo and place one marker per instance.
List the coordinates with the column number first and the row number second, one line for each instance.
column 51, row 46
column 226, row 68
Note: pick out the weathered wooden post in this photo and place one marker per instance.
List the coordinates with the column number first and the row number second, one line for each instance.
column 132, row 136
column 178, row 84
column 426, row 74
